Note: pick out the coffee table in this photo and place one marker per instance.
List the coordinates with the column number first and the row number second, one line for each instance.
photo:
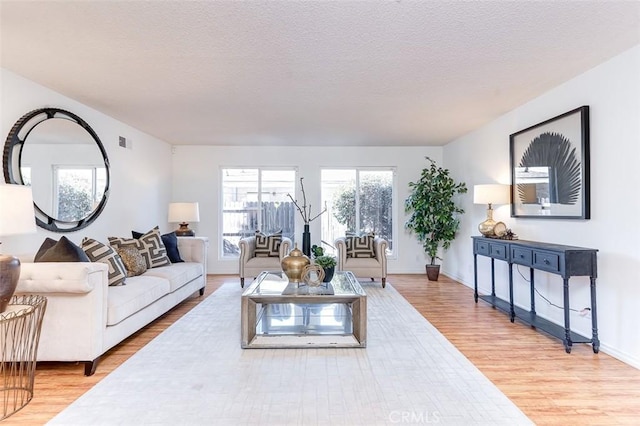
column 276, row 313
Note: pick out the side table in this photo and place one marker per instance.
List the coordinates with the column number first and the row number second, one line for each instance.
column 20, row 328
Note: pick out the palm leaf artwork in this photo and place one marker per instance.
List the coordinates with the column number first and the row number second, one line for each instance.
column 555, row 151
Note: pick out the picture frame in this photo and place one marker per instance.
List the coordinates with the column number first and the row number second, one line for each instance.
column 550, row 173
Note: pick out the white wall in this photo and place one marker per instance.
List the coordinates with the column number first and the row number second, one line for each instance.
column 197, row 178
column 140, row 186
column 612, row 90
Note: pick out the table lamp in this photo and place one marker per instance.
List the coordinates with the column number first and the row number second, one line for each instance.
column 183, row 213
column 16, row 217
column 490, row 194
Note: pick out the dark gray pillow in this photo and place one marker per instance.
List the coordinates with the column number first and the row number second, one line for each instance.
column 46, row 245
column 61, row 251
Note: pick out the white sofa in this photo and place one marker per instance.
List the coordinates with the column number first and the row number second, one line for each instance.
column 85, row 317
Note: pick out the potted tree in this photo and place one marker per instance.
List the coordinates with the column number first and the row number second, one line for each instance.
column 433, row 212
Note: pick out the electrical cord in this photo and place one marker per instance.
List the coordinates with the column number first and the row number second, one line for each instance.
column 581, row 312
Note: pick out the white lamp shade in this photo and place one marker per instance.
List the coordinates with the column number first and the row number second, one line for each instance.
column 491, row 194
column 17, row 215
column 184, row 212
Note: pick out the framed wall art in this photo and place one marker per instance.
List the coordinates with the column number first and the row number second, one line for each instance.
column 550, row 168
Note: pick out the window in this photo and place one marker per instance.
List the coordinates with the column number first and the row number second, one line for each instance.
column 359, row 200
column 77, row 191
column 255, row 199
column 25, row 172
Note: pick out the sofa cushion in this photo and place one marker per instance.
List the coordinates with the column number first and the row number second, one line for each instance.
column 149, row 245
column 170, row 242
column 98, row 252
column 63, row 250
column 140, row 292
column 178, row 274
column 263, row 263
column 362, row 263
column 360, row 245
column 133, row 260
column 268, row 245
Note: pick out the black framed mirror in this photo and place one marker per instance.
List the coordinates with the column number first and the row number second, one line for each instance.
column 64, row 161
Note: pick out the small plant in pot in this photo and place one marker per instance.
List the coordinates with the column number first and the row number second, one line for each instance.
column 328, row 263
column 433, row 212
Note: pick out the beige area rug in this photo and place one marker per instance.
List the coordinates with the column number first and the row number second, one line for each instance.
column 195, row 373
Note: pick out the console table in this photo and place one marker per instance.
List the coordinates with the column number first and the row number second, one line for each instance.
column 566, row 261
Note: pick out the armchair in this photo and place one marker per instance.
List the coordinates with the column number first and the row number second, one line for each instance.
column 372, row 267
column 251, row 265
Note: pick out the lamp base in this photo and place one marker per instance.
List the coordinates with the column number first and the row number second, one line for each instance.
column 9, row 275
column 486, row 227
column 185, row 231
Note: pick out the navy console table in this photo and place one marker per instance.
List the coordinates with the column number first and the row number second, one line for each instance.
column 566, row 261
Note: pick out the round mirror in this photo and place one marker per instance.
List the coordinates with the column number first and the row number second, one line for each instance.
column 62, row 158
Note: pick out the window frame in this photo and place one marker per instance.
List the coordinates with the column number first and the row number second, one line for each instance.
column 391, row 251
column 56, row 183
column 260, row 169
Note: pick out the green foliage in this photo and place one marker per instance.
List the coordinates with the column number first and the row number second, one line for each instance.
column 325, row 261
column 375, row 207
column 74, row 203
column 316, row 251
column 433, row 212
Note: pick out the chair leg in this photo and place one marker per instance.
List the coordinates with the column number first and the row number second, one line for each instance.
column 384, row 282
column 242, row 282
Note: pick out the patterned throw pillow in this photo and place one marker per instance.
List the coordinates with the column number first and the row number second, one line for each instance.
column 170, row 242
column 268, row 245
column 360, row 245
column 98, row 252
column 133, row 260
column 149, row 245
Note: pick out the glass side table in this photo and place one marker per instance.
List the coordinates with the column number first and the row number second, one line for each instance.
column 20, row 328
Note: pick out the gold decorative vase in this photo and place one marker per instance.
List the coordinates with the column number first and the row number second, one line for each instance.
column 293, row 264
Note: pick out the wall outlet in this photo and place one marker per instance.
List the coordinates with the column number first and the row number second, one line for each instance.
column 122, row 141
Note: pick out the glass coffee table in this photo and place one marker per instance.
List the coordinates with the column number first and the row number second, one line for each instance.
column 276, row 313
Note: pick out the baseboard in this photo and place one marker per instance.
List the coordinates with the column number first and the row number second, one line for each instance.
column 629, row 359
column 621, row 356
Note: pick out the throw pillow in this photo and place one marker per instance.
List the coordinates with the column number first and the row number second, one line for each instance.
column 133, row 260
column 46, row 245
column 98, row 252
column 149, row 245
column 170, row 242
column 360, row 245
column 63, row 250
column 268, row 245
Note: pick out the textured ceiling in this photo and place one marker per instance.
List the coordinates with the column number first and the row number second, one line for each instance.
column 312, row 72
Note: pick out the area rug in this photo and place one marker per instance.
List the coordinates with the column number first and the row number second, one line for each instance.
column 195, row 373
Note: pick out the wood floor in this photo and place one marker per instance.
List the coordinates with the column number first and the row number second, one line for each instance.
column 533, row 370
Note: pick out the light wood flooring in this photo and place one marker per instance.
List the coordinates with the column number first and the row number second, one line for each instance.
column 532, row 369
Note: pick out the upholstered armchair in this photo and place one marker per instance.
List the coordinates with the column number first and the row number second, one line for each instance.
column 364, row 260
column 251, row 265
